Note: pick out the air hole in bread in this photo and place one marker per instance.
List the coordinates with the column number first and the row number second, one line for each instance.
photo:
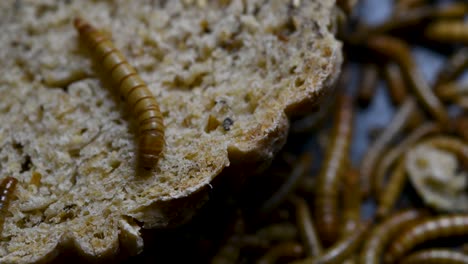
column 299, row 81
column 27, row 164
column 212, row 124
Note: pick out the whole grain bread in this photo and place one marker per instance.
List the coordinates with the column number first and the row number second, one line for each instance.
column 227, row 75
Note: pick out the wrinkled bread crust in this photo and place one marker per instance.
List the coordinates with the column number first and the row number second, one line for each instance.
column 70, row 141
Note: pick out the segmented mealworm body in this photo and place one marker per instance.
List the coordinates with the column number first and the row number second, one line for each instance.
column 351, row 195
column 454, row 66
column 436, row 256
column 400, row 52
column 381, row 235
column 443, row 226
column 374, row 152
column 139, row 98
column 326, row 199
column 306, row 227
column 393, row 189
column 448, row 31
column 7, row 188
column 285, row 249
column 395, row 83
column 393, row 154
column 368, row 85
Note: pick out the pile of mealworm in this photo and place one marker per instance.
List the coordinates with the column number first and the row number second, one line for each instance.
column 312, row 209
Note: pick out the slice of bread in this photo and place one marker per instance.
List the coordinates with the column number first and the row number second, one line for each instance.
column 227, row 75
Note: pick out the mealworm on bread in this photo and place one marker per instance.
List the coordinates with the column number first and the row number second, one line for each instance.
column 438, row 227
column 328, row 180
column 7, row 188
column 130, row 85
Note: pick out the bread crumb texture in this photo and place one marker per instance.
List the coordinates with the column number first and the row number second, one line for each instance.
column 227, row 75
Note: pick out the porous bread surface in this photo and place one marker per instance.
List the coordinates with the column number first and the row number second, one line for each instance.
column 71, row 142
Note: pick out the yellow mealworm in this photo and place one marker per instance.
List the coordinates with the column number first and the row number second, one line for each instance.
column 306, row 227
column 137, row 94
column 351, row 196
column 285, row 249
column 454, row 66
column 374, row 152
column 7, row 188
column 381, row 235
column 400, row 52
column 329, row 178
column 392, row 155
column 448, row 31
column 395, row 83
column 341, row 250
column 433, row 228
column 451, row 91
column 368, row 85
column 436, row 256
column 393, row 189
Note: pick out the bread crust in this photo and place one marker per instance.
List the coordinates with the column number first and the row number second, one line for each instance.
column 227, row 74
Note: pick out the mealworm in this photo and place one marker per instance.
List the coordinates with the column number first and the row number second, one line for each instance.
column 326, row 198
column 133, row 88
column 396, row 152
column 451, row 91
column 448, row 31
column 300, row 168
column 436, row 256
column 400, row 52
column 351, row 195
column 453, row 67
column 393, row 189
column 407, row 4
column 306, row 227
column 341, row 250
column 460, row 126
column 438, row 227
column 7, row 188
column 404, row 19
column 368, row 84
column 375, row 150
column 450, row 143
column 381, row 235
column 285, row 249
column 395, row 83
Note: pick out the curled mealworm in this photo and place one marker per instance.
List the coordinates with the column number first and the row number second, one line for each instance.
column 381, row 235
column 133, row 88
column 301, row 167
column 396, row 152
column 393, row 189
column 326, row 198
column 368, row 85
column 306, row 226
column 374, row 152
column 341, row 250
column 351, row 196
column 448, row 31
column 449, row 143
column 7, row 188
column 436, row 256
column 400, row 52
column 438, row 227
column 454, row 66
column 395, row 83
column 285, row 249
